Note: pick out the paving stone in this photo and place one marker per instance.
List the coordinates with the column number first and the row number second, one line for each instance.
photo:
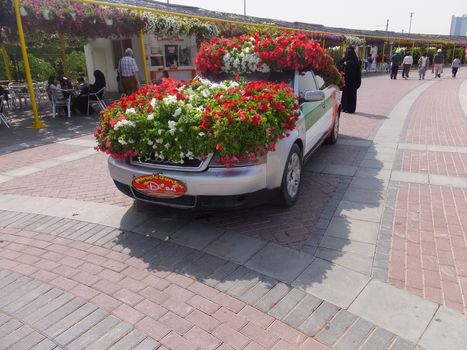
column 338, row 169
column 356, row 230
column 302, row 310
column 95, row 332
column 42, row 300
column 68, row 321
column 264, row 285
column 80, row 327
column 230, row 280
column 347, row 245
column 148, row 344
column 111, row 337
column 16, row 302
column 336, row 327
column 330, row 282
column 379, row 339
column 287, row 303
column 9, row 327
column 62, row 312
column 129, row 341
column 359, row 195
column 281, row 263
column 203, row 267
column 272, row 297
column 247, row 281
column 355, row 336
column 46, row 344
column 405, row 176
column 359, row 211
column 27, row 342
column 359, row 263
column 393, row 309
column 401, row 344
column 447, row 330
column 319, row 318
column 197, row 235
column 15, row 336
column 453, row 181
column 236, row 248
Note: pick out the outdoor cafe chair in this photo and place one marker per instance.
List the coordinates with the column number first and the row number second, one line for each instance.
column 59, row 100
column 96, row 97
column 3, row 115
column 18, row 92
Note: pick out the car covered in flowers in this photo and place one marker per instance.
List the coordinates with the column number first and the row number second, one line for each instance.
column 239, row 135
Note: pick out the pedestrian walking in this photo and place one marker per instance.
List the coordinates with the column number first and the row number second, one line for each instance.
column 351, row 67
column 423, row 64
column 456, row 63
column 128, row 72
column 438, row 62
column 395, row 62
column 406, row 64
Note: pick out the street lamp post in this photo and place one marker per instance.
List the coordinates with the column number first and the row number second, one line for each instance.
column 244, row 8
column 410, row 24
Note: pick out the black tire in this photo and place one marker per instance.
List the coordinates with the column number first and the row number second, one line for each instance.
column 332, row 139
column 291, row 178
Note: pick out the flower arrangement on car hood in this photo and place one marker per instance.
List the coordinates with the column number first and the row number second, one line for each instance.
column 175, row 121
column 261, row 53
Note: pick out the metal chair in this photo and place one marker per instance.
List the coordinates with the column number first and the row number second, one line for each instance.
column 96, row 97
column 59, row 100
column 3, row 115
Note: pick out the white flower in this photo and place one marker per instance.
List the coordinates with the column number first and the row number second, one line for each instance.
column 190, row 155
column 131, row 141
column 130, row 111
column 172, row 131
column 182, row 155
column 170, row 99
column 171, row 124
column 150, row 143
column 154, row 147
column 206, row 93
column 122, row 142
column 177, row 112
column 160, row 131
column 167, row 145
column 151, row 116
column 201, row 134
column 153, row 103
column 159, row 140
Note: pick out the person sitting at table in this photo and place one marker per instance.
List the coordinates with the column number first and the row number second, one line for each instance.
column 81, row 85
column 54, row 85
column 81, row 102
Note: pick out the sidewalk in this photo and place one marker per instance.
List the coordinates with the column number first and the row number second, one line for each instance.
column 373, row 256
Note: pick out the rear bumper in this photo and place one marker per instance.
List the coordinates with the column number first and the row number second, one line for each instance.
column 212, row 188
column 204, row 202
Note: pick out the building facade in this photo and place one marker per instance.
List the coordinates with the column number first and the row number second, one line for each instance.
column 458, row 25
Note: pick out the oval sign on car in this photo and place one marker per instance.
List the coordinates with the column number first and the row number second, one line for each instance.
column 159, row 186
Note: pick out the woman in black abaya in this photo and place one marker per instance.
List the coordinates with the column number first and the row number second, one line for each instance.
column 81, row 102
column 351, row 67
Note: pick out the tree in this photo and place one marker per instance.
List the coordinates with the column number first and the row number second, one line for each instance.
column 41, row 70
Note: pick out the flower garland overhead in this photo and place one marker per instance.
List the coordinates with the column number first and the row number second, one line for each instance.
column 255, row 53
column 176, row 122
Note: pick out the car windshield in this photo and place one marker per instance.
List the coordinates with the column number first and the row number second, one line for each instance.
column 276, row 77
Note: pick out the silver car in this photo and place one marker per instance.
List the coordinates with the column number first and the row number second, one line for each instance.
column 275, row 177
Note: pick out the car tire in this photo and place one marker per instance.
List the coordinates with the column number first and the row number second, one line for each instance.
column 332, row 139
column 291, row 179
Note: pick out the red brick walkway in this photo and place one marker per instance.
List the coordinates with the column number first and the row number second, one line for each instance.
column 178, row 311
column 429, row 245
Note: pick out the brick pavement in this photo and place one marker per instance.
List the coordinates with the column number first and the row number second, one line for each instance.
column 442, row 163
column 428, row 254
column 178, row 297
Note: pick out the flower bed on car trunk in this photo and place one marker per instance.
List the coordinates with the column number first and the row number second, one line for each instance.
column 175, row 121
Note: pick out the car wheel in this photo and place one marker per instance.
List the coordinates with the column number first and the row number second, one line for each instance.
column 291, row 178
column 332, row 139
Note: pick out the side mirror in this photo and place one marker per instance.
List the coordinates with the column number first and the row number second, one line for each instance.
column 314, row 96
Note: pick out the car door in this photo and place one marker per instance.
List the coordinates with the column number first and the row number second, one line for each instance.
column 314, row 113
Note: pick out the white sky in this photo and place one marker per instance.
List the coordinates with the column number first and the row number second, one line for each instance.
column 430, row 17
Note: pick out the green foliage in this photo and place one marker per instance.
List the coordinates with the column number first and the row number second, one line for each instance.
column 41, row 70
column 76, row 64
column 336, row 53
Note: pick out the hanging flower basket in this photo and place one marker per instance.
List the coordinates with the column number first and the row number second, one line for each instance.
column 109, row 21
column 176, row 122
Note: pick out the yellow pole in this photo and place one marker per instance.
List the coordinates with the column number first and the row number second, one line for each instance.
column 37, row 124
column 324, row 42
column 6, row 63
column 61, row 40
column 143, row 54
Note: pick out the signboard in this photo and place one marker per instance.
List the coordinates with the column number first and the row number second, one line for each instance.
column 159, row 186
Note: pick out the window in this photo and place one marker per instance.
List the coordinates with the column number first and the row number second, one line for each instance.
column 306, row 82
column 320, row 82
